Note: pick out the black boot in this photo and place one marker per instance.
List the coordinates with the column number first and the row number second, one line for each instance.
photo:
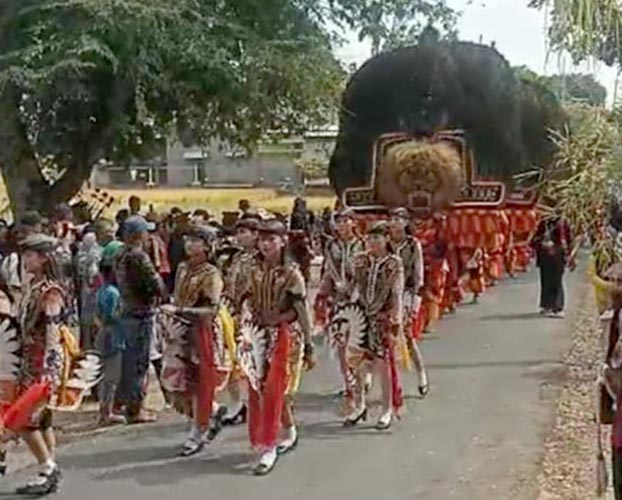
column 3, row 464
column 216, row 424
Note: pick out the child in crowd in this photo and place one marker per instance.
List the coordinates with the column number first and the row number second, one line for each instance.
column 110, row 341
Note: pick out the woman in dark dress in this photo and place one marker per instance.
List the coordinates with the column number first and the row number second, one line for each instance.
column 552, row 243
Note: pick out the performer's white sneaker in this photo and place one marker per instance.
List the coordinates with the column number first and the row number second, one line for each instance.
column 385, row 420
column 45, row 483
column 424, row 385
column 355, row 417
column 266, row 463
column 194, row 444
column 290, row 442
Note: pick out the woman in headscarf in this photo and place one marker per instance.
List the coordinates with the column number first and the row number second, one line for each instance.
column 88, row 281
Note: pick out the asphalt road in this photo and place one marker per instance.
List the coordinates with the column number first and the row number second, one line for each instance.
column 478, row 435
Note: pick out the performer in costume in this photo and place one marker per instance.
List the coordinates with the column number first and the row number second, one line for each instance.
column 379, row 289
column 408, row 248
column 276, row 344
column 432, row 232
column 236, row 282
column 40, row 313
column 495, row 224
column 7, row 311
column 197, row 358
column 336, row 289
column 436, row 277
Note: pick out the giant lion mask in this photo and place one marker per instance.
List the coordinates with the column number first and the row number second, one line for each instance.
column 419, row 174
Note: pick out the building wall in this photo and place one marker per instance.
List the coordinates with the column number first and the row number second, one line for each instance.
column 219, row 164
column 273, row 164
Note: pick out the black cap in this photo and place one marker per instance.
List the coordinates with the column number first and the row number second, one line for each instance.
column 346, row 213
column 272, row 226
column 208, row 234
column 400, row 213
column 379, row 227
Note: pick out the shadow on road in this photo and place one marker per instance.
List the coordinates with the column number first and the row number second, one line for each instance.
column 334, row 430
column 511, row 317
column 493, row 364
column 167, row 472
column 118, row 457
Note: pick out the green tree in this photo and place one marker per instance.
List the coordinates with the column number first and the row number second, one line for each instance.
column 572, row 87
column 579, row 87
column 86, row 80
column 389, row 24
column 585, row 28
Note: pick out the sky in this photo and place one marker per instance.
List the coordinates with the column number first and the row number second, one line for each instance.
column 518, row 31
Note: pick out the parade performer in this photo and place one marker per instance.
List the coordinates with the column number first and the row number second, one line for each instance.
column 236, row 280
column 409, row 250
column 141, row 287
column 336, row 288
column 475, row 272
column 44, row 354
column 197, row 358
column 276, row 344
column 375, row 322
column 7, row 313
column 39, row 316
column 496, row 230
column 432, row 232
column 436, row 281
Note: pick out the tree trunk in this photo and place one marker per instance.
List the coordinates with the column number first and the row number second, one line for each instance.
column 26, row 187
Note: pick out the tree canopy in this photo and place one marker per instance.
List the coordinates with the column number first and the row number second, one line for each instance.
column 389, row 24
column 82, row 80
column 579, row 87
column 573, row 87
column 86, row 80
column 585, row 28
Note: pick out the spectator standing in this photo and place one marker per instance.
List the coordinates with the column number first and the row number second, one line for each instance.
column 88, row 281
column 140, row 287
column 110, row 339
